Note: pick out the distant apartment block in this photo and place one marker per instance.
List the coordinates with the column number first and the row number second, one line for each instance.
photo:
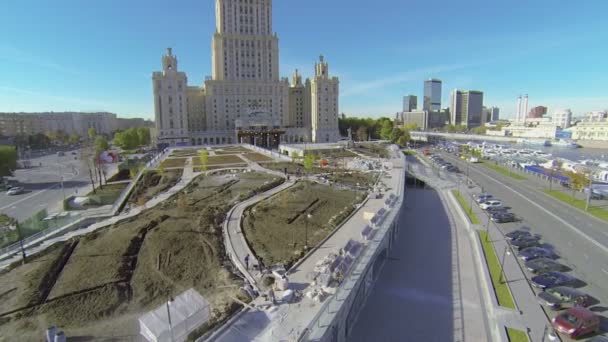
column 562, row 118
column 410, row 103
column 593, row 127
column 537, row 112
column 432, row 95
column 466, row 108
column 424, row 119
column 14, row 124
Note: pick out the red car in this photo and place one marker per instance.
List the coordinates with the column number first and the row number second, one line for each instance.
column 576, row 322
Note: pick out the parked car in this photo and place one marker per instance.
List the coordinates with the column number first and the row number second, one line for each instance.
column 561, row 297
column 536, row 252
column 552, row 279
column 16, row 190
column 544, row 265
column 490, row 204
column 517, row 233
column 525, row 242
column 485, row 196
column 576, row 322
column 503, row 217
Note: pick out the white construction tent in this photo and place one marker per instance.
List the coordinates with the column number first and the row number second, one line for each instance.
column 188, row 311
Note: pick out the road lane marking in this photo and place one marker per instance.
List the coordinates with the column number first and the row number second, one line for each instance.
column 28, row 197
column 604, row 248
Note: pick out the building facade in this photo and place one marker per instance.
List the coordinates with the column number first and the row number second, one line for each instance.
column 537, row 112
column 466, row 108
column 410, row 103
column 245, row 100
column 14, row 124
column 562, row 118
column 432, row 95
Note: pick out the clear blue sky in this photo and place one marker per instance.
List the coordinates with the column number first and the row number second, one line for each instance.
column 65, row 55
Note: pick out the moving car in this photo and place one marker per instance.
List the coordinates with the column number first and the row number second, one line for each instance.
column 576, row 322
column 544, row 265
column 517, row 233
column 551, row 279
column 490, row 204
column 536, row 252
column 17, row 190
column 482, row 198
column 503, row 217
column 561, row 297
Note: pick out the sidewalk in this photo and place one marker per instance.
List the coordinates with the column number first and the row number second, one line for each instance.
column 530, row 315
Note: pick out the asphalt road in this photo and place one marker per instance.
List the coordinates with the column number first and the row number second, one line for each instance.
column 579, row 239
column 42, row 185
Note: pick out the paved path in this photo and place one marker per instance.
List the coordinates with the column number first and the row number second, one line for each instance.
column 529, row 314
column 236, row 245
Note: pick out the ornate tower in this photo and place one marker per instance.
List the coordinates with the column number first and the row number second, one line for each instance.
column 324, row 104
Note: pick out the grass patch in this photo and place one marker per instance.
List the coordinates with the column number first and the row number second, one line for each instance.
column 501, row 288
column 106, row 195
column 258, row 157
column 341, row 153
column 273, row 225
column 174, row 162
column 517, row 335
column 466, row 207
column 503, row 171
column 153, row 183
column 219, row 160
column 354, row 178
column 184, row 153
column 600, row 213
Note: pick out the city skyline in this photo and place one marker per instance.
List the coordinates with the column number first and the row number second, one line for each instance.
column 84, row 64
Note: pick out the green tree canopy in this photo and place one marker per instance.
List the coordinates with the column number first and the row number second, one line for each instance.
column 386, row 128
column 204, row 157
column 101, row 144
column 132, row 138
column 309, row 161
column 8, row 160
column 92, row 132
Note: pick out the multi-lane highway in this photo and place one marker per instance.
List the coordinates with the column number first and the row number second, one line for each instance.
column 42, row 184
column 580, row 239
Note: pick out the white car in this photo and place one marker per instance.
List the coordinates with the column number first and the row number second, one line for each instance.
column 490, row 204
column 15, row 191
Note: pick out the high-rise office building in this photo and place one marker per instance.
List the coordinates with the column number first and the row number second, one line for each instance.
column 245, row 100
column 410, row 103
column 432, row 95
column 491, row 114
column 466, row 108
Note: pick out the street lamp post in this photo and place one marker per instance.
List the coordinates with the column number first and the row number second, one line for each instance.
column 488, row 227
column 588, row 204
column 308, row 217
column 169, row 318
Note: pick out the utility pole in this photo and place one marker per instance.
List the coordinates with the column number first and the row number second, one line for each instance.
column 308, row 217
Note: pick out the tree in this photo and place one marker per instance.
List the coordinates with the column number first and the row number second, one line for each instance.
column 8, row 160
column 204, row 157
column 143, row 134
column 405, row 138
column 74, row 138
column 361, row 133
column 386, row 128
column 411, row 127
column 578, row 180
column 295, row 155
column 396, row 133
column 92, row 132
column 101, row 144
column 309, row 161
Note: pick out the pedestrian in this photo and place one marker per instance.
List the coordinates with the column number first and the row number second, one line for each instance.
column 271, row 295
column 247, row 262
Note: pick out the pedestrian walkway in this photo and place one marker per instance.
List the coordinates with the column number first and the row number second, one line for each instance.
column 287, row 321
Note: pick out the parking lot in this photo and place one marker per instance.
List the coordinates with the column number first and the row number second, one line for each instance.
column 580, row 267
